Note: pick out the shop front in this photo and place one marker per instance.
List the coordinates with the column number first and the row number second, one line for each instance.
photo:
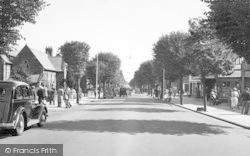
column 226, row 85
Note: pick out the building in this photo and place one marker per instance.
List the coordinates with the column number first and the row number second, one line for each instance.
column 60, row 67
column 5, row 67
column 37, row 64
column 239, row 78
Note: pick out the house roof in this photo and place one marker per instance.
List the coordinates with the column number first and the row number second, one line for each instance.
column 57, row 62
column 43, row 59
column 5, row 58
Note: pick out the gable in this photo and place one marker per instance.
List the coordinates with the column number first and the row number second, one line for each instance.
column 37, row 59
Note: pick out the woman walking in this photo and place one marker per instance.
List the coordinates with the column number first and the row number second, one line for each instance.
column 234, row 99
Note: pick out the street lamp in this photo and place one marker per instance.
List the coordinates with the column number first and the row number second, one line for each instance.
column 96, row 90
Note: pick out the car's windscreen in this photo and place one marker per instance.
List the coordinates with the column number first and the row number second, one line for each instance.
column 5, row 94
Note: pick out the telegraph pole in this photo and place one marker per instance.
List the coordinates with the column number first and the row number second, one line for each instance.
column 163, row 83
column 96, row 83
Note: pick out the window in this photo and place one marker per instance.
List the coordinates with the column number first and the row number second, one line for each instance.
column 25, row 92
column 18, row 93
column 2, row 91
column 226, row 84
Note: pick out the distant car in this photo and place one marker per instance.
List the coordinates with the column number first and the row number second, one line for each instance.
column 109, row 94
column 123, row 92
column 18, row 109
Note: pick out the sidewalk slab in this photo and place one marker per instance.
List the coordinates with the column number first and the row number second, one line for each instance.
column 221, row 112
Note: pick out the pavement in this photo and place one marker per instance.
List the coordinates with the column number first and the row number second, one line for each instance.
column 220, row 112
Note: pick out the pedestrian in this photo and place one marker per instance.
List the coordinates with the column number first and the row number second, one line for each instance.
column 234, row 99
column 212, row 98
column 244, row 98
column 170, row 92
column 156, row 92
column 239, row 100
column 247, row 107
column 66, row 99
column 60, row 93
column 33, row 91
column 51, row 96
column 45, row 92
column 40, row 93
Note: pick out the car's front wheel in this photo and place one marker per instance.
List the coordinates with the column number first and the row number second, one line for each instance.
column 20, row 126
column 42, row 119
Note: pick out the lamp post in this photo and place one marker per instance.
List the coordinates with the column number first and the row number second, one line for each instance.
column 96, row 89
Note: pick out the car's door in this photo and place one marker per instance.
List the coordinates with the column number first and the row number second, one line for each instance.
column 27, row 100
column 22, row 99
column 5, row 103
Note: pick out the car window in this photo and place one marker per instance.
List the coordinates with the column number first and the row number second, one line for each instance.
column 5, row 93
column 25, row 91
column 2, row 91
column 18, row 93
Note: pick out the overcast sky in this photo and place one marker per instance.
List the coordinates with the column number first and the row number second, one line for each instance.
column 127, row 28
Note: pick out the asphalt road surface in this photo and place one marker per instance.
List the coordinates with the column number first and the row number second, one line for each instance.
column 135, row 126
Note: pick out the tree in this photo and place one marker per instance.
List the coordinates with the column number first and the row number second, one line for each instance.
column 210, row 56
column 14, row 14
column 119, row 79
column 76, row 54
column 171, row 53
column 109, row 65
column 132, row 83
column 139, row 79
column 83, row 84
column 91, row 71
column 231, row 22
column 70, row 79
column 19, row 74
column 146, row 70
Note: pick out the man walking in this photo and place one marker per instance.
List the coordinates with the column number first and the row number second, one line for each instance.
column 245, row 99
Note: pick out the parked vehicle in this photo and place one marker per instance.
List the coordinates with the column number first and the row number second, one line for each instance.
column 123, row 92
column 109, row 93
column 18, row 108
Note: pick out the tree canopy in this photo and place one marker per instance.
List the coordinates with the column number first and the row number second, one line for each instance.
column 109, row 65
column 170, row 53
column 210, row 55
column 13, row 14
column 231, row 22
column 75, row 54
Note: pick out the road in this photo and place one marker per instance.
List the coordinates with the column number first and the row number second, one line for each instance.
column 135, row 126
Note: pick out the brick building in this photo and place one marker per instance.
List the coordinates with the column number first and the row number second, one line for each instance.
column 40, row 66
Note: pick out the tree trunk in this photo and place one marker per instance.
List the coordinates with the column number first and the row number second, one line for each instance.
column 151, row 89
column 181, row 90
column 148, row 90
column 203, row 80
column 103, row 88
column 77, row 90
column 217, row 85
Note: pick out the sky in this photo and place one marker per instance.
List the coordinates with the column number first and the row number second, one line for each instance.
column 127, row 28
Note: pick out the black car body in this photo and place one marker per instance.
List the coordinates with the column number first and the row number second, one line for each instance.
column 123, row 92
column 18, row 109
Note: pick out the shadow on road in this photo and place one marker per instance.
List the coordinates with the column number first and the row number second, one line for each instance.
column 137, row 126
column 4, row 134
column 117, row 104
column 141, row 110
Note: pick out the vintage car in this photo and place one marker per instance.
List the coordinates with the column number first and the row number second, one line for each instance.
column 109, row 93
column 18, row 108
column 123, row 92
